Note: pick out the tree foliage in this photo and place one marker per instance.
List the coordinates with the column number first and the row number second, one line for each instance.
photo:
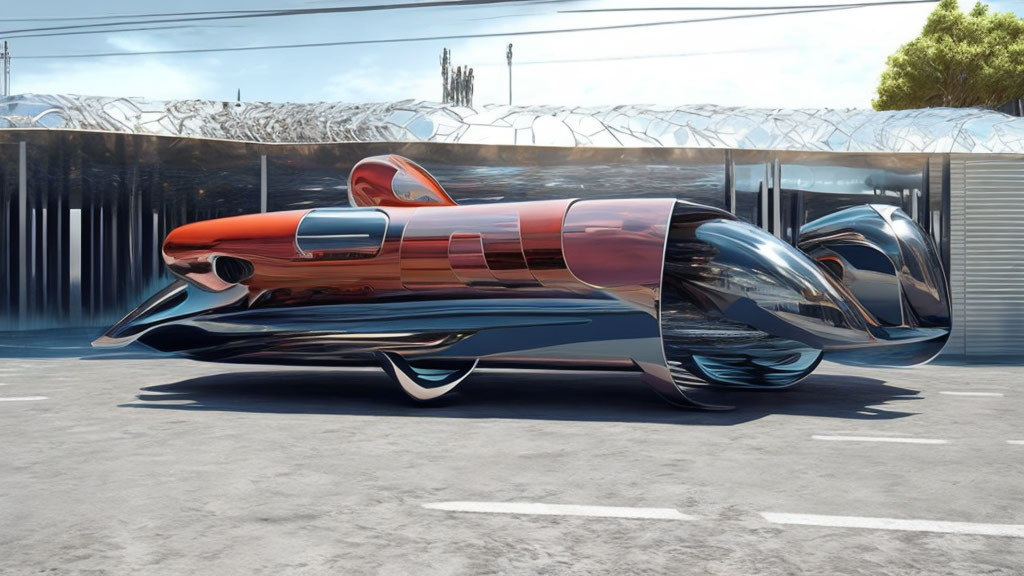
column 959, row 60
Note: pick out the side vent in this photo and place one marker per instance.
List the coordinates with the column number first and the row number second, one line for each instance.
column 232, row 270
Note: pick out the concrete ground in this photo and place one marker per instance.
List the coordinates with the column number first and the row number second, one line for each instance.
column 127, row 464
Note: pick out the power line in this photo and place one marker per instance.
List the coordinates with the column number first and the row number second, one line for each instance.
column 658, row 56
column 272, row 12
column 116, row 16
column 279, row 13
column 430, row 38
column 745, row 8
column 139, row 29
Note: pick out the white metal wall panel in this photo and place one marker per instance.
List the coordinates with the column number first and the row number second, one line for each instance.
column 957, row 269
column 992, row 267
column 935, row 194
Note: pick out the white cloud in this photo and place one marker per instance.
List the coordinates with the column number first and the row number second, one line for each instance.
column 371, row 83
column 158, row 77
column 149, row 77
column 135, row 42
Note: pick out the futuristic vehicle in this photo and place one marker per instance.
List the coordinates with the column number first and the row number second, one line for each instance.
column 684, row 294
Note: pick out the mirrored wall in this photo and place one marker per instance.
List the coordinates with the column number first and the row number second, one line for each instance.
column 83, row 215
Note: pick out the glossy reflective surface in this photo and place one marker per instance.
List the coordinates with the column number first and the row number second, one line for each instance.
column 742, row 308
column 341, row 233
column 667, row 288
column 892, row 267
column 697, row 126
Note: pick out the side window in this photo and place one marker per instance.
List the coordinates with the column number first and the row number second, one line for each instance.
column 342, row 233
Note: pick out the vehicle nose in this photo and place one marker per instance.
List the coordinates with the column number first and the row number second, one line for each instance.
column 176, row 302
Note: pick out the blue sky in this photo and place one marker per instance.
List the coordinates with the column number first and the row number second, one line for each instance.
column 824, row 59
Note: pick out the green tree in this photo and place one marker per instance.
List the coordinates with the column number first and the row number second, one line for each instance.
column 959, row 60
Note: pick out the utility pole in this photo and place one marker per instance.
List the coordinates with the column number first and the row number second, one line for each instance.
column 446, row 60
column 508, row 56
column 5, row 56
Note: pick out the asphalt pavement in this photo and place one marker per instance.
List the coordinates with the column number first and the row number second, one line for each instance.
column 131, row 463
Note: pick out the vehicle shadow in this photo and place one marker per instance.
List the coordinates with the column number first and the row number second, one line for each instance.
column 580, row 396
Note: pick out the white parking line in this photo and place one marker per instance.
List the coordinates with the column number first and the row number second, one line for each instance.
column 986, row 394
column 1012, row 530
column 22, row 398
column 1016, row 442
column 532, row 508
column 880, row 439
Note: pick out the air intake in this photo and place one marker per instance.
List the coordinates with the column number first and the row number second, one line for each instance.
column 232, row 270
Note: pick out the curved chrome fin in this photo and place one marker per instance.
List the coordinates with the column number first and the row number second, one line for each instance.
column 392, row 180
column 177, row 301
column 423, row 384
column 661, row 379
column 892, row 269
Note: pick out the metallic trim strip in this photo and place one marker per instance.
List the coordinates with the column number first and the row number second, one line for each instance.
column 22, row 233
column 332, row 236
column 263, row 182
column 75, row 263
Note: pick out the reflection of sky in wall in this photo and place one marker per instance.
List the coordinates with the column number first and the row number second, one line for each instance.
column 846, row 180
column 828, row 179
column 809, row 60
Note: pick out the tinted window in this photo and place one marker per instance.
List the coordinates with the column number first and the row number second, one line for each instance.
column 342, row 232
